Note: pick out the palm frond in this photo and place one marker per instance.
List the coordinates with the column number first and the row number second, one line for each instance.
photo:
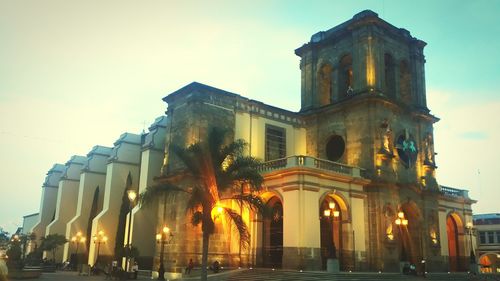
column 199, row 197
column 148, row 196
column 254, row 203
column 245, row 169
column 241, row 226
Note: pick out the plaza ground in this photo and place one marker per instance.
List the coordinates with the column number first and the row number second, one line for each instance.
column 281, row 275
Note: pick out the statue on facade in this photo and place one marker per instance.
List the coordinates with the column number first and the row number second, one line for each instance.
column 429, row 149
column 386, row 136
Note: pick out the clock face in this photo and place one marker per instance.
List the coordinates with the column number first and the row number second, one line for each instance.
column 407, row 150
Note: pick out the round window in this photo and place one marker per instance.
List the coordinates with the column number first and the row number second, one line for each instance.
column 335, row 148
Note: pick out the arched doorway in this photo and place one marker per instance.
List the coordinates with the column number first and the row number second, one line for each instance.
column 334, row 232
column 273, row 235
column 410, row 233
column 453, row 249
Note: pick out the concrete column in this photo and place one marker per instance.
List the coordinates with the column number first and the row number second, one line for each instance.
column 48, row 201
column 301, row 229
column 67, row 198
column 124, row 160
column 92, row 178
column 144, row 219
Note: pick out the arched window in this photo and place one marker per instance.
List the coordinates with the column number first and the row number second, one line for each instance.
column 325, row 84
column 345, row 75
column 405, row 81
column 390, row 76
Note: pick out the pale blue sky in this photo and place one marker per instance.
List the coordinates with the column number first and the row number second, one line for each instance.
column 74, row 74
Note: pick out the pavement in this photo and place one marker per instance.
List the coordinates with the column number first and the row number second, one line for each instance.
column 282, row 275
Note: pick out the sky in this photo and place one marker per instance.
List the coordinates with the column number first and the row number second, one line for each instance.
column 74, row 74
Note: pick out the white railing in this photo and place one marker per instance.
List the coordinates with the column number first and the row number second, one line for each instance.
column 309, row 162
column 454, row 192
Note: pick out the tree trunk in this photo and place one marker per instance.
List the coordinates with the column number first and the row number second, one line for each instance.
column 204, row 256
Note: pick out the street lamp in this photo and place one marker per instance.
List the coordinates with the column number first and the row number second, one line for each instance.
column 77, row 239
column 164, row 237
column 470, row 230
column 401, row 221
column 131, row 196
column 99, row 239
column 332, row 213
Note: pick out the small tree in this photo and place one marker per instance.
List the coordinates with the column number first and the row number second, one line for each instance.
column 14, row 253
column 51, row 242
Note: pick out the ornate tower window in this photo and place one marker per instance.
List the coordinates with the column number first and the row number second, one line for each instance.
column 325, row 84
column 405, row 81
column 275, row 142
column 390, row 76
column 345, row 76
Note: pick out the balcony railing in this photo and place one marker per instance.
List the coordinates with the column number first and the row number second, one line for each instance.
column 454, row 192
column 309, row 162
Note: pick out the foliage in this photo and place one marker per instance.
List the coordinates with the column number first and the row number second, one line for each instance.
column 52, row 242
column 217, row 167
column 14, row 252
column 4, row 238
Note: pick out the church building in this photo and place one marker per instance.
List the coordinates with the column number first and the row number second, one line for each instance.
column 351, row 175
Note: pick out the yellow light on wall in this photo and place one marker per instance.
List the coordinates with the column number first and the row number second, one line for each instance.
column 398, row 221
column 158, row 237
column 336, row 213
column 370, row 64
column 390, row 236
column 404, row 222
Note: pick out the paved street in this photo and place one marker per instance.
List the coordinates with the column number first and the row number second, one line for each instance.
column 281, row 275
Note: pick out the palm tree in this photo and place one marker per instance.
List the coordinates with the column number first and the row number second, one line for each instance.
column 216, row 167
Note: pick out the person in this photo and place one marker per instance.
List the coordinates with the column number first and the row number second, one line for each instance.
column 135, row 269
column 189, row 267
column 216, row 266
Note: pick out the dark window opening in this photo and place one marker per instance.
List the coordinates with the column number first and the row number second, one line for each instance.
column 335, row 148
column 275, row 142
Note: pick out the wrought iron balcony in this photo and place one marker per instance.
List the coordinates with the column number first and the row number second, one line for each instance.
column 310, row 162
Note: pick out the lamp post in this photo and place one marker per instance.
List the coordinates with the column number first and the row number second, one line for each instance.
column 401, row 221
column 131, row 196
column 164, row 237
column 77, row 239
column 331, row 213
column 332, row 263
column 99, row 239
column 470, row 230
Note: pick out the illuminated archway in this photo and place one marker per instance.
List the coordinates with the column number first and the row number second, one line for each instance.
column 490, row 263
column 333, row 212
column 411, row 233
column 453, row 226
column 272, row 246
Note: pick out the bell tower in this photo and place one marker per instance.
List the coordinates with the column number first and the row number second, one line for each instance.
column 363, row 55
column 363, row 96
